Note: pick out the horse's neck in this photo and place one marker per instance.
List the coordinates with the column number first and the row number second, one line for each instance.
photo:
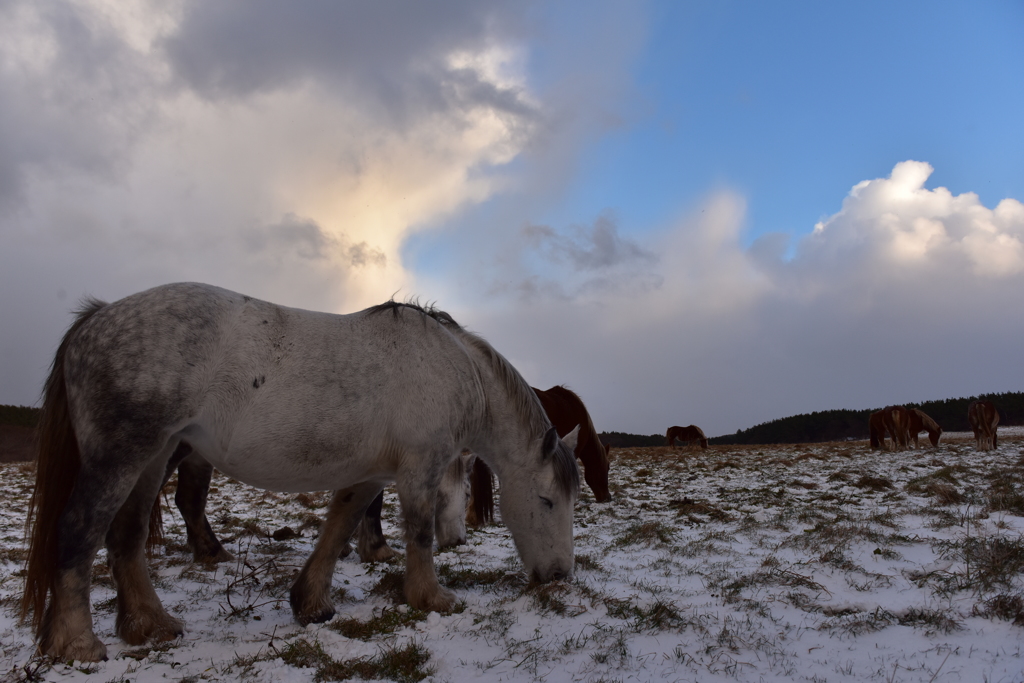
column 514, row 416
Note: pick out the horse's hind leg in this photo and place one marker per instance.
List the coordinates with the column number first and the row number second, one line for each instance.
column 311, row 593
column 66, row 628
column 194, row 474
column 140, row 616
column 372, row 546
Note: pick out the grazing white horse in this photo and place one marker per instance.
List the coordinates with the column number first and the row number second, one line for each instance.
column 282, row 399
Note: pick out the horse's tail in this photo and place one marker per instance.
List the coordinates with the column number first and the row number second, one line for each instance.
column 483, row 493
column 57, row 464
column 156, row 526
column 668, row 436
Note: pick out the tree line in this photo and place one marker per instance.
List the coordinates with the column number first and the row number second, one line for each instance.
column 19, row 416
column 841, row 425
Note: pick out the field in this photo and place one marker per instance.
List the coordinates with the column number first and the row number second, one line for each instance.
column 820, row 562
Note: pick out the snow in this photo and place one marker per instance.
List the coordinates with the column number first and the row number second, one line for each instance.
column 815, row 562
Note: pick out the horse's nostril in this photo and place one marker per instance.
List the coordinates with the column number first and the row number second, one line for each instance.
column 558, row 576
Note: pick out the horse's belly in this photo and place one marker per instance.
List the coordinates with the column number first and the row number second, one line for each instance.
column 287, row 469
column 292, row 482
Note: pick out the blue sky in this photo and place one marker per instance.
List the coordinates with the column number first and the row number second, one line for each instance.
column 792, row 104
column 707, row 212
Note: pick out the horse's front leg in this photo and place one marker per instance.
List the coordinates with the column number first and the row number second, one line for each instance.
column 311, row 592
column 422, row 590
column 140, row 616
column 371, row 545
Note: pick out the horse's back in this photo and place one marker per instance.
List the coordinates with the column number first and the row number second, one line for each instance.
column 564, row 408
column 272, row 394
column 141, row 359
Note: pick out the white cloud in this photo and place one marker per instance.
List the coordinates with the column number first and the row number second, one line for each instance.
column 908, row 225
column 903, row 295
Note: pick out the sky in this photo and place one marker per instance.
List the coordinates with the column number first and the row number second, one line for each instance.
column 717, row 213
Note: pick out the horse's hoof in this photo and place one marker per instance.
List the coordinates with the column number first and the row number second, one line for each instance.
column 441, row 601
column 450, row 543
column 346, row 550
column 381, row 553
column 318, row 617
column 213, row 558
column 309, row 611
column 85, row 648
column 149, row 627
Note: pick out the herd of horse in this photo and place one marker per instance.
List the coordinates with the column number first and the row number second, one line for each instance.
column 187, row 378
column 903, row 426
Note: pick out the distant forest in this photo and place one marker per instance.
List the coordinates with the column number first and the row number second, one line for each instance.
column 19, row 416
column 841, row 425
column 827, row 425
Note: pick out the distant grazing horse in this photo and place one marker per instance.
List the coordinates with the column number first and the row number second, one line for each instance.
column 984, row 419
column 876, row 429
column 567, row 413
column 897, row 423
column 283, row 399
column 920, row 422
column 687, row 435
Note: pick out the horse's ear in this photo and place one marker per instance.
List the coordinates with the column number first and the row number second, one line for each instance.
column 547, row 448
column 571, row 438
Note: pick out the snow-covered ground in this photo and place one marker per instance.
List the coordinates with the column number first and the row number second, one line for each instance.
column 820, row 562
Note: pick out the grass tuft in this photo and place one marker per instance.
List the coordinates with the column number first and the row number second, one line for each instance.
column 405, row 665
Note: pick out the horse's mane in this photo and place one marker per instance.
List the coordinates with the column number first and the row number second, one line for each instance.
column 429, row 311
column 524, row 399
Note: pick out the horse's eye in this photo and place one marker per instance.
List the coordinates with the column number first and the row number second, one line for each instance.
column 547, row 501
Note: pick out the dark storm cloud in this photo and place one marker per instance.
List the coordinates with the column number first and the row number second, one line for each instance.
column 593, row 247
column 72, row 100
column 583, row 260
column 305, row 239
column 393, row 54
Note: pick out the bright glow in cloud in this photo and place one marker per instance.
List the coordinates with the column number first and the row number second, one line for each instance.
column 144, row 146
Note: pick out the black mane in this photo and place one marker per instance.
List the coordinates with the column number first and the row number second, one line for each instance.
column 429, row 310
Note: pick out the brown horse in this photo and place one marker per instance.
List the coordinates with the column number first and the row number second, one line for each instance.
column 876, row 429
column 566, row 411
column 897, row 423
column 687, row 435
column 920, row 422
column 984, row 419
